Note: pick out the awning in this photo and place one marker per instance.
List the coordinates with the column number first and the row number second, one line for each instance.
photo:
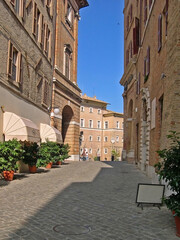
column 50, row 133
column 20, row 128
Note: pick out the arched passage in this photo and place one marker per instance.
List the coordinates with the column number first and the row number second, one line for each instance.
column 67, row 117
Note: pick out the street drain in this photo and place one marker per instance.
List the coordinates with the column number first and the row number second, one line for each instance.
column 72, row 229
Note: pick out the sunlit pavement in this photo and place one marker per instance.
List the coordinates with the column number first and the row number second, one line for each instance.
column 79, row 201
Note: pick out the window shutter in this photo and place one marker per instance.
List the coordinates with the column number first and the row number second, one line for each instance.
column 19, row 60
column 139, row 83
column 127, row 57
column 34, row 26
column 10, row 56
column 45, row 92
column 21, row 8
column 127, row 23
column 145, row 11
column 131, row 8
column 136, row 36
column 166, row 15
column 150, row 2
column 159, row 33
column 148, row 61
column 144, row 67
column 130, row 49
column 50, row 46
column 42, row 30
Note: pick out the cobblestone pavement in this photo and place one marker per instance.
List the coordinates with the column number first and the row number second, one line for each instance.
column 81, row 201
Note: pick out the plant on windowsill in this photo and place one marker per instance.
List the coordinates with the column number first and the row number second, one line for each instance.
column 30, row 155
column 10, row 152
column 49, row 153
column 169, row 170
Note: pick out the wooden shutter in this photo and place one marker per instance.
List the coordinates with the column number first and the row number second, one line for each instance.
column 167, row 2
column 19, row 68
column 145, row 11
column 131, row 8
column 21, row 8
column 136, row 36
column 148, row 61
column 159, row 33
column 10, row 56
column 144, row 67
column 127, row 57
column 50, row 46
column 42, row 30
column 45, row 92
column 34, row 25
column 150, row 2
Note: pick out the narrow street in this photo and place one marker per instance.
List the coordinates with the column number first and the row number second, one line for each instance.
column 81, row 201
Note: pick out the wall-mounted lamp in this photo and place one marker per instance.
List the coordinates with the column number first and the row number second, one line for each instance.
column 54, row 111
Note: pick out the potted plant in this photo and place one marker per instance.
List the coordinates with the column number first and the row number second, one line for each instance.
column 169, row 170
column 49, row 152
column 30, row 155
column 64, row 152
column 10, row 152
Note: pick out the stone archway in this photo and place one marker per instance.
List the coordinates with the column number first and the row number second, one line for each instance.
column 67, row 117
column 145, row 129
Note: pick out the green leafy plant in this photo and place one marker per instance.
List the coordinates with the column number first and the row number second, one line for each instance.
column 64, row 151
column 115, row 154
column 48, row 152
column 169, row 170
column 30, row 153
column 10, row 152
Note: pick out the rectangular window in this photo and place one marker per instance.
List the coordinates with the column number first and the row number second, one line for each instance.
column 138, row 84
column 117, row 138
column 99, row 111
column 117, row 124
column 90, row 151
column 14, row 63
column 136, row 36
column 18, row 7
column 67, row 59
column 145, row 11
column 46, row 92
column 99, row 138
column 106, row 124
column 150, row 3
column 99, row 124
column 148, row 61
column 90, row 109
column 159, row 32
column 82, row 109
column 90, row 123
column 105, row 139
column 34, row 26
column 105, row 150
column 166, row 15
column 90, row 138
column 49, row 7
column 82, row 122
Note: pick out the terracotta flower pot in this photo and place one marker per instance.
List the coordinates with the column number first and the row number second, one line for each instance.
column 8, row 175
column 49, row 165
column 59, row 163
column 177, row 221
column 32, row 169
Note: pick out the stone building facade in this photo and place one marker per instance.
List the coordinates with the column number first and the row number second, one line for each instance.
column 151, row 78
column 66, row 93
column 101, row 129
column 27, row 35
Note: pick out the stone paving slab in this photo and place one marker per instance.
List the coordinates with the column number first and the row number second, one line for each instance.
column 81, row 201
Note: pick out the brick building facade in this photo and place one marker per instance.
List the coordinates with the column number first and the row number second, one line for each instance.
column 151, row 78
column 27, row 34
column 66, row 93
column 102, row 130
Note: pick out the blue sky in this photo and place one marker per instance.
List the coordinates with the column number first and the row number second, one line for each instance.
column 101, row 51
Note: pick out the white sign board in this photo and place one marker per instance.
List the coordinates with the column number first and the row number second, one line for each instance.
column 150, row 193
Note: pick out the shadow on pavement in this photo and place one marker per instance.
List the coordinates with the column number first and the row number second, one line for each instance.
column 103, row 209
